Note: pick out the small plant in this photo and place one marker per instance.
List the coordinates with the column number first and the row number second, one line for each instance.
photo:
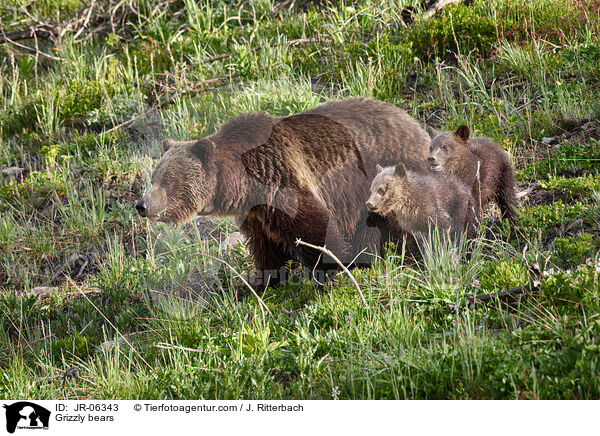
column 573, row 251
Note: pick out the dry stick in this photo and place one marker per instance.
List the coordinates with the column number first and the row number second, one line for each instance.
column 167, row 346
column 339, row 262
column 509, row 296
column 6, row 38
column 86, row 21
column 260, row 300
column 18, row 35
column 503, row 296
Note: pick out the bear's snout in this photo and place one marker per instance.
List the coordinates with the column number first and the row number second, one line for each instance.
column 370, row 205
column 142, row 208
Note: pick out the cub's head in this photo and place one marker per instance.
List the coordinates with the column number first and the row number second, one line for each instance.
column 386, row 189
column 446, row 146
column 183, row 183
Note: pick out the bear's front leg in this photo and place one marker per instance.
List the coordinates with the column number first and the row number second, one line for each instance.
column 269, row 255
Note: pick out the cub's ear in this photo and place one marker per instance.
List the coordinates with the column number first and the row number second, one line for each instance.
column 432, row 132
column 463, row 133
column 400, row 170
column 378, row 168
column 167, row 143
column 203, row 149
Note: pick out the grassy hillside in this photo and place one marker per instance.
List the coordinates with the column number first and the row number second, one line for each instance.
column 146, row 310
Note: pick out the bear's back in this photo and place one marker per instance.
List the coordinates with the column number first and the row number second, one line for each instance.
column 384, row 133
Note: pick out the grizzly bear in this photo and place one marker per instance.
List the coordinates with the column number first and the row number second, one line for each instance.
column 304, row 176
column 415, row 202
column 480, row 163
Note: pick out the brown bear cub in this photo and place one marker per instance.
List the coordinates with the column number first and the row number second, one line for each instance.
column 413, row 202
column 480, row 163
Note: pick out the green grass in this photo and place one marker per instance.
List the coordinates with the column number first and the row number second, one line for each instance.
column 146, row 310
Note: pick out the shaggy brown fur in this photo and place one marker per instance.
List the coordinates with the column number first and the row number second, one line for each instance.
column 391, row 232
column 303, row 176
column 415, row 202
column 480, row 163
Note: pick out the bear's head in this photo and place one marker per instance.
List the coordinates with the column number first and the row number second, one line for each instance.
column 447, row 148
column 183, row 183
column 386, row 188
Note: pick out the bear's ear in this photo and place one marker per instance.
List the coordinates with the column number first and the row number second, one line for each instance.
column 203, row 149
column 400, row 170
column 378, row 168
column 463, row 133
column 167, row 143
column 432, row 132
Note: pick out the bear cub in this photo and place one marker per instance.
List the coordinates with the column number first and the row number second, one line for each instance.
column 413, row 202
column 480, row 163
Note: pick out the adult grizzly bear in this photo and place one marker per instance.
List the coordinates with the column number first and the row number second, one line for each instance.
column 302, row 176
column 480, row 163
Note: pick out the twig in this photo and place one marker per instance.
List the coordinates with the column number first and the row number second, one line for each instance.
column 31, row 49
column 85, row 262
column 510, row 296
column 17, row 35
column 125, row 123
column 334, row 257
column 165, row 346
column 86, row 21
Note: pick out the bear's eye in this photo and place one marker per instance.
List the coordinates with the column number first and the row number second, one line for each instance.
column 430, row 149
column 444, row 148
column 381, row 191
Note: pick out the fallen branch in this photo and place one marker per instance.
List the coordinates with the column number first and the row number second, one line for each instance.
column 510, row 297
column 37, row 52
column 86, row 21
column 18, row 35
column 334, row 257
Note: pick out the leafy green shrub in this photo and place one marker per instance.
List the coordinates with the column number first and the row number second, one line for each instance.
column 78, row 99
column 577, row 186
column 501, row 275
column 17, row 118
column 582, row 57
column 549, row 217
column 458, row 29
column 573, row 250
column 566, row 157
